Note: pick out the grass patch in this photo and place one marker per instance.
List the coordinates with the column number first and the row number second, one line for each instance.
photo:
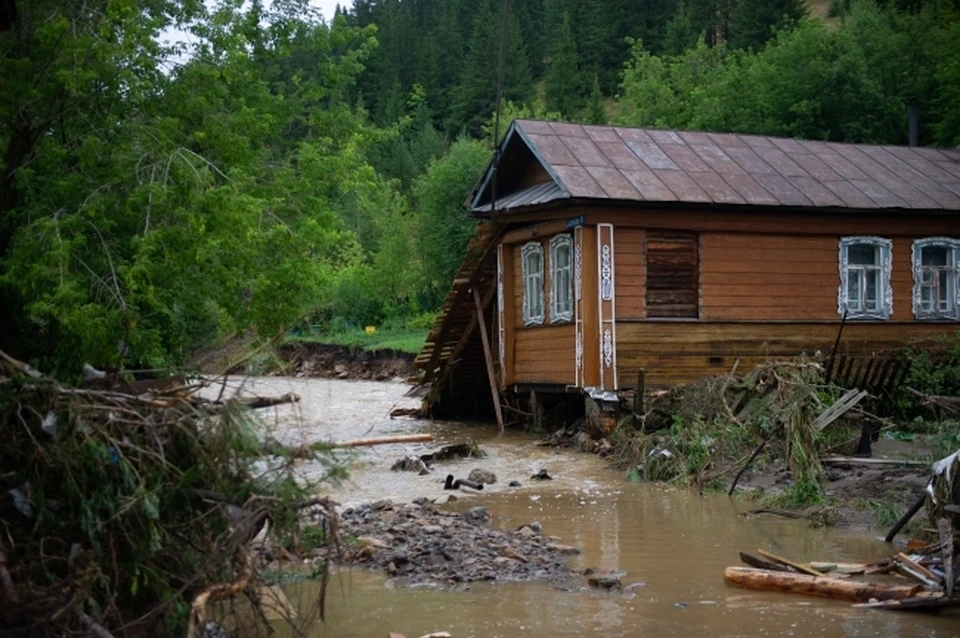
column 885, row 514
column 408, row 340
column 799, row 495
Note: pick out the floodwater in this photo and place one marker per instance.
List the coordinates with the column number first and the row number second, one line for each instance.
column 675, row 543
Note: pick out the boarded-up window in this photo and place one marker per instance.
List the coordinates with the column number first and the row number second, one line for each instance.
column 672, row 274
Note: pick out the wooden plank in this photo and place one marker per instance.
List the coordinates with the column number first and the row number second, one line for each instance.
column 803, row 569
column 494, row 392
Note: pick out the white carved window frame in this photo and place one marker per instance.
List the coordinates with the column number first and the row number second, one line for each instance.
column 885, row 246
column 532, row 283
column 915, row 255
column 561, row 310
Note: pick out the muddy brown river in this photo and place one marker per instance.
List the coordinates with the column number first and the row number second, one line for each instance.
column 675, row 543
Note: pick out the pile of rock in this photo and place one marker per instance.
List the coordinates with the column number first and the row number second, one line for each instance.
column 418, row 543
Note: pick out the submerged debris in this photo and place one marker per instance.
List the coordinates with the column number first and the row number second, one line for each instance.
column 418, row 543
column 930, row 568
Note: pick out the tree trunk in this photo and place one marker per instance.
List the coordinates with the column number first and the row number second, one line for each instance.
column 786, row 582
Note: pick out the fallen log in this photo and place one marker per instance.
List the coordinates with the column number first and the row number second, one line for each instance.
column 850, row 460
column 400, row 438
column 267, row 402
column 825, row 587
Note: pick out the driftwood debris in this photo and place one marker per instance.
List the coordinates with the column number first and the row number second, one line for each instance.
column 763, row 563
column 910, row 568
column 382, row 440
column 267, row 402
column 851, row 460
column 947, row 404
column 823, row 586
column 797, row 567
column 843, row 405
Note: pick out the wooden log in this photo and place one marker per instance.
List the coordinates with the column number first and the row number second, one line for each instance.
column 851, row 460
column 381, row 440
column 266, row 402
column 783, row 561
column 825, row 587
column 488, row 358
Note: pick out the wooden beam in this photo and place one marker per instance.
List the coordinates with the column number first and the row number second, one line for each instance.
column 826, row 587
column 494, row 392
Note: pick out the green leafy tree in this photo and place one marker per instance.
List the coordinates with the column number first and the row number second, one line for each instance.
column 160, row 212
column 443, row 226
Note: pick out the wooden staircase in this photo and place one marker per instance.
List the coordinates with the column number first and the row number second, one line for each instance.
column 452, row 358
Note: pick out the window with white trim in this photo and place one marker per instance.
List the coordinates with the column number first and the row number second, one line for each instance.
column 936, row 278
column 561, row 278
column 865, row 278
column 532, row 270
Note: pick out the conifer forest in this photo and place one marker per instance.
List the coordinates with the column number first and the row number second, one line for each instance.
column 273, row 168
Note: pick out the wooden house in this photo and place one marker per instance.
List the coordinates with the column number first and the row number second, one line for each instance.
column 608, row 250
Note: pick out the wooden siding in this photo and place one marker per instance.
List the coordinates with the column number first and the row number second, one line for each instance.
column 883, row 225
column 681, row 351
column 631, row 273
column 536, row 354
column 756, row 277
column 672, row 274
column 544, row 354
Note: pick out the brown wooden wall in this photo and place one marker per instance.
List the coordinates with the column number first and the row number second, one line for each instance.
column 630, row 272
column 768, row 288
column 544, row 353
column 679, row 352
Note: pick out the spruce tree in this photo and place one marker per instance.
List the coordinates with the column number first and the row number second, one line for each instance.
column 756, row 21
column 681, row 34
column 563, row 86
column 475, row 96
column 596, row 110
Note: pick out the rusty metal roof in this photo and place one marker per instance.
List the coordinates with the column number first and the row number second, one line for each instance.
column 657, row 166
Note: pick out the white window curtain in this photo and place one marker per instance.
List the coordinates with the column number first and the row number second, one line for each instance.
column 865, row 264
column 936, row 278
column 532, row 269
column 561, row 278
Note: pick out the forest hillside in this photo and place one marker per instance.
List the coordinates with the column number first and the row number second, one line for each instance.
column 283, row 171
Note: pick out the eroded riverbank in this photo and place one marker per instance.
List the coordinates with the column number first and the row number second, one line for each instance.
column 674, row 542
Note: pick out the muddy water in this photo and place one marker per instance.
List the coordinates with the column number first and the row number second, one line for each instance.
column 676, row 543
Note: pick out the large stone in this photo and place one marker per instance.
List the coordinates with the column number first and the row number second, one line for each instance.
column 605, row 580
column 563, row 549
column 484, row 477
column 476, row 514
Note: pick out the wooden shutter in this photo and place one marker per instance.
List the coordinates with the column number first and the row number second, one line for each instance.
column 672, row 274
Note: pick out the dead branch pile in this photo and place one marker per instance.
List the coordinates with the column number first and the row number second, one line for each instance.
column 127, row 514
column 782, row 406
